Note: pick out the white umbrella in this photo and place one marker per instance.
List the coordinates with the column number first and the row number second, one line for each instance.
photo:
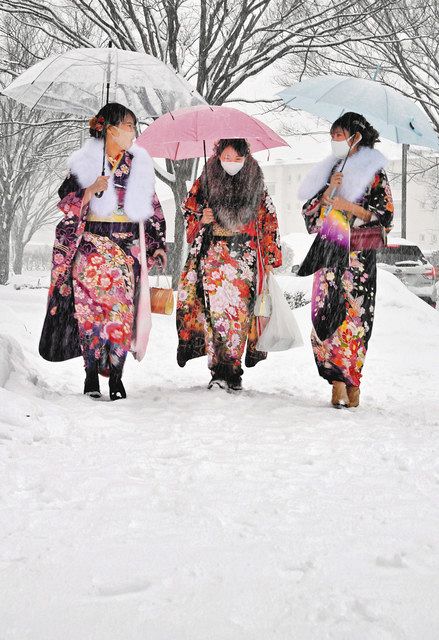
column 81, row 81
column 395, row 116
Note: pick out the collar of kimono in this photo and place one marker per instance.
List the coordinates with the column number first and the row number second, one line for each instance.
column 86, row 165
column 115, row 162
column 358, row 174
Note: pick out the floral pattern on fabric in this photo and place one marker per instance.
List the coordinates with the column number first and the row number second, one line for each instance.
column 229, row 284
column 267, row 224
column 64, row 335
column 67, row 235
column 377, row 199
column 217, row 292
column 342, row 355
column 105, row 274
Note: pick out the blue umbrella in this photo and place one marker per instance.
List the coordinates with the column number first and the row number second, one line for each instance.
column 395, row 116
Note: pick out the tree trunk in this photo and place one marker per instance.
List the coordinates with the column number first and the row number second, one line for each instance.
column 18, row 257
column 4, row 255
column 176, row 256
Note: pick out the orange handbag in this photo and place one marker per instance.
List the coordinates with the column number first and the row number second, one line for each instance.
column 162, row 300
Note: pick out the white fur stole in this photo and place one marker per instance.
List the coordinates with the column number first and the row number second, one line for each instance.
column 86, row 165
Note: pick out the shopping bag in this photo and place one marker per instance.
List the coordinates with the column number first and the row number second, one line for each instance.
column 282, row 331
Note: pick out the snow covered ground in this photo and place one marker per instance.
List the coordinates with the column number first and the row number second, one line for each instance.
column 184, row 514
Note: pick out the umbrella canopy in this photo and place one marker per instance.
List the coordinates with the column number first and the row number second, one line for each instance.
column 191, row 132
column 395, row 116
column 74, row 82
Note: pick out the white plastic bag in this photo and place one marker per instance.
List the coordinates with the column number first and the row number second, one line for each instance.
column 282, row 331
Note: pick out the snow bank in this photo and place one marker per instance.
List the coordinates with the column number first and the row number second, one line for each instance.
column 13, row 336
column 11, row 359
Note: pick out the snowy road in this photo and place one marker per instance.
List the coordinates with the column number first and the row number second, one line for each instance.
column 184, row 514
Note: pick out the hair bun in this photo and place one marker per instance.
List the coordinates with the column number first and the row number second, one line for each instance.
column 357, row 123
column 96, row 123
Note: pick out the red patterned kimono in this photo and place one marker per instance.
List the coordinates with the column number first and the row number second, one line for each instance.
column 219, row 283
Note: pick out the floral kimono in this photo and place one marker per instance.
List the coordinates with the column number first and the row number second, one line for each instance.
column 223, row 273
column 96, row 269
column 344, row 289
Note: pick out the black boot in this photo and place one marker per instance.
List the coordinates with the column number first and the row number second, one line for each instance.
column 234, row 381
column 117, row 390
column 91, row 384
column 220, row 375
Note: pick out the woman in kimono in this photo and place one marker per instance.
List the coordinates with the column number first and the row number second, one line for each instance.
column 233, row 232
column 95, row 286
column 344, row 290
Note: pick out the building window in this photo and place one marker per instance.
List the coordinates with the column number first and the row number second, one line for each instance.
column 434, row 237
column 421, row 237
column 271, row 188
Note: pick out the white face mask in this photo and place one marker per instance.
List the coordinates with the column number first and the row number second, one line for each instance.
column 122, row 137
column 341, row 148
column 232, row 168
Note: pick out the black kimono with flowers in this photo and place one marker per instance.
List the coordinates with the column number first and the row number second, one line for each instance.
column 343, row 297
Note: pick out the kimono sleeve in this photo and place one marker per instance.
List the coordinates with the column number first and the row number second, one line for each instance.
column 380, row 201
column 71, row 195
column 270, row 239
column 155, row 228
column 192, row 208
column 311, row 211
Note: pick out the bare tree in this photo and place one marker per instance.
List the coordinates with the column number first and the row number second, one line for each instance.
column 399, row 47
column 18, row 183
column 27, row 162
column 37, row 209
column 217, row 44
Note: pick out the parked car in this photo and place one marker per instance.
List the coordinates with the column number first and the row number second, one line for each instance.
column 408, row 263
column 432, row 255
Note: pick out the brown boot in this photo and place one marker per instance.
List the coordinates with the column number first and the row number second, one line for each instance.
column 354, row 396
column 339, row 395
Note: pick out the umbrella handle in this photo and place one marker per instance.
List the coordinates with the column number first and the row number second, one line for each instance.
column 205, row 171
column 329, row 209
column 101, row 193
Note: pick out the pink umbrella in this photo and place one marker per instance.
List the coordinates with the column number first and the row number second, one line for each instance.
column 190, row 132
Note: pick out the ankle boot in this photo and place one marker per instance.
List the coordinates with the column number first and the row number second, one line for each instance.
column 234, row 381
column 219, row 377
column 353, row 395
column 91, row 384
column 339, row 395
column 117, row 390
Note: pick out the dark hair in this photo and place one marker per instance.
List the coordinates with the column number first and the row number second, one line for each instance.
column 354, row 122
column 240, row 145
column 112, row 113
